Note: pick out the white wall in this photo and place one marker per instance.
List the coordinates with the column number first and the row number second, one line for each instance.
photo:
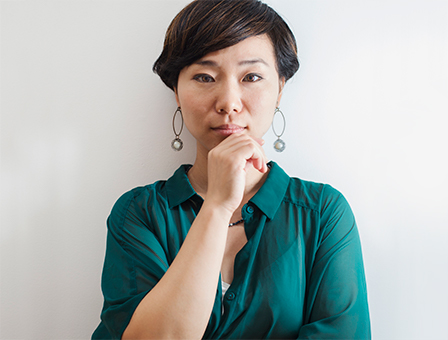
column 83, row 119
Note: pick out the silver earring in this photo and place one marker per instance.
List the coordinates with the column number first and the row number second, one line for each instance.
column 177, row 143
column 279, row 144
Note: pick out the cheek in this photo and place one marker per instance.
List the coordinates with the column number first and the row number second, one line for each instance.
column 264, row 103
column 267, row 95
column 190, row 120
column 194, row 117
column 192, row 99
column 262, row 109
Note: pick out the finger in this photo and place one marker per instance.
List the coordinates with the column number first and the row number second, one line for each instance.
column 256, row 156
column 259, row 140
column 246, row 147
column 259, row 162
column 241, row 140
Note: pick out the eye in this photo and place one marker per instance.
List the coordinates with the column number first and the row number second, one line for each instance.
column 203, row 78
column 252, row 78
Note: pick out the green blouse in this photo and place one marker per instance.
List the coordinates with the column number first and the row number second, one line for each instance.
column 300, row 275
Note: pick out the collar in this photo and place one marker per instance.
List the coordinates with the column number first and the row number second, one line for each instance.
column 271, row 194
column 178, row 187
column 267, row 199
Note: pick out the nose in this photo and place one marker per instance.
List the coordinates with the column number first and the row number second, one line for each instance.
column 228, row 98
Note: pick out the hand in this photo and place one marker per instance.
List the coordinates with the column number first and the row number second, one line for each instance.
column 228, row 165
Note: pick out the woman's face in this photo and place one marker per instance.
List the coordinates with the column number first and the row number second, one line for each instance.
column 233, row 90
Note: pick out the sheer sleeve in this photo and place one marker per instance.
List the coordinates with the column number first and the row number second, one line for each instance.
column 135, row 261
column 336, row 304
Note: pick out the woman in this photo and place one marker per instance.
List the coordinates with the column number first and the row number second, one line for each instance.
column 231, row 247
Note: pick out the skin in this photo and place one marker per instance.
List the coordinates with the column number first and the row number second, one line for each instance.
column 228, row 100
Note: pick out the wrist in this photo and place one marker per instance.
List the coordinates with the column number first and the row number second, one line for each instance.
column 217, row 211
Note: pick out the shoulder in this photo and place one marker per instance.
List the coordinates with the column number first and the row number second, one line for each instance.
column 313, row 195
column 136, row 203
column 335, row 220
column 141, row 194
column 141, row 203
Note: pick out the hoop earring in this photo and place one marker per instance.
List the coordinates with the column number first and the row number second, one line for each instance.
column 279, row 144
column 177, row 143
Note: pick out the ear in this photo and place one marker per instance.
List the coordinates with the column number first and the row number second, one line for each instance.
column 177, row 96
column 282, row 83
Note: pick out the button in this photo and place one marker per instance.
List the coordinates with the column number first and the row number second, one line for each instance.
column 250, row 209
column 230, row 296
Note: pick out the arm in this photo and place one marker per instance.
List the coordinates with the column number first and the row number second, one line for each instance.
column 134, row 265
column 180, row 304
column 336, row 305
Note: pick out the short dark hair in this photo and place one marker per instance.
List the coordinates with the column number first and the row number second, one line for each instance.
column 206, row 26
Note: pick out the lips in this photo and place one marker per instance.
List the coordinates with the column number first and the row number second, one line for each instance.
column 228, row 129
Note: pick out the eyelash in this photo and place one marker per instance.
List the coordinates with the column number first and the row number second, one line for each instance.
column 200, row 78
column 253, row 75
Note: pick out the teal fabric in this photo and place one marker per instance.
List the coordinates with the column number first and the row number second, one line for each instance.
column 300, row 275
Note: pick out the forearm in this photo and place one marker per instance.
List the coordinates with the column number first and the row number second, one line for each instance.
column 179, row 306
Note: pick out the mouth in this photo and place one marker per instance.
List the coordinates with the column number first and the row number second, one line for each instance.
column 228, row 129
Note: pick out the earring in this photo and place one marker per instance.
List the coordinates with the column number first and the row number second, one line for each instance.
column 279, row 144
column 177, row 143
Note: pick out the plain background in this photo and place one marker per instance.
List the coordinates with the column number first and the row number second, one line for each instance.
column 84, row 119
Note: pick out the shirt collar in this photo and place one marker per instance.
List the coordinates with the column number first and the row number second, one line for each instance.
column 267, row 199
column 270, row 195
column 178, row 186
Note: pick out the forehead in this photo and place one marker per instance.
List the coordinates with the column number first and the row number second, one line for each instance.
column 256, row 48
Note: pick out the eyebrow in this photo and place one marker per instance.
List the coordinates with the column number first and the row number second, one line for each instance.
column 253, row 61
column 241, row 63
